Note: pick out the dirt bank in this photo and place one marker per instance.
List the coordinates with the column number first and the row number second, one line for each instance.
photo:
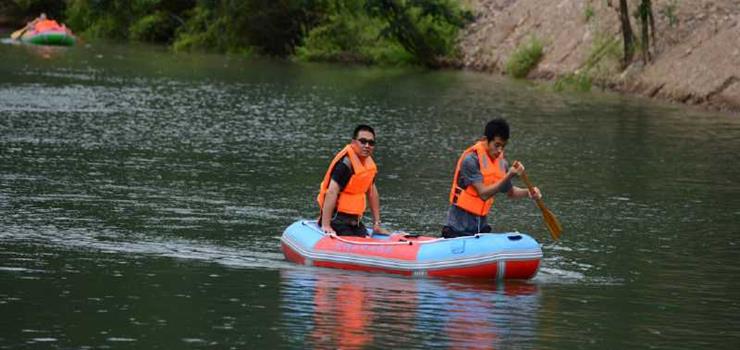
column 695, row 60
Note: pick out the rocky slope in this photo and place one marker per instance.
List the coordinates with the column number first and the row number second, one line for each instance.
column 695, row 59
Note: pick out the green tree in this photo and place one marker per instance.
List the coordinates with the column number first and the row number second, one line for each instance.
column 348, row 34
column 425, row 28
column 387, row 31
column 271, row 27
column 21, row 11
column 147, row 20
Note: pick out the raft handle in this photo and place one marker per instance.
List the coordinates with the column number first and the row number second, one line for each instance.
column 514, row 237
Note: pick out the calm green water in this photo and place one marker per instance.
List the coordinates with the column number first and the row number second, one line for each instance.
column 141, row 195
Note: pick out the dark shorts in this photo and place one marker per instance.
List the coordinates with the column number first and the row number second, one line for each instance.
column 461, row 223
column 348, row 225
column 449, row 232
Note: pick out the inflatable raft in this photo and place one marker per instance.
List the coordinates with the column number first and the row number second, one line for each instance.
column 48, row 32
column 486, row 255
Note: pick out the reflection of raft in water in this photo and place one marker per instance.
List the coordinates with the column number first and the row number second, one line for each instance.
column 333, row 309
column 48, row 32
column 485, row 255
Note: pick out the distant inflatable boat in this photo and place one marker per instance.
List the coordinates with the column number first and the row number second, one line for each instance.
column 48, row 32
column 486, row 255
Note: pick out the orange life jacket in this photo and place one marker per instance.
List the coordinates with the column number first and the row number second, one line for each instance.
column 47, row 24
column 467, row 198
column 352, row 199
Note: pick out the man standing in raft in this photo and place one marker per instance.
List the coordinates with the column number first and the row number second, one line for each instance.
column 347, row 186
column 481, row 173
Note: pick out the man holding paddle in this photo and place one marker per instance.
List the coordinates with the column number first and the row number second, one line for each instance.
column 29, row 26
column 481, row 173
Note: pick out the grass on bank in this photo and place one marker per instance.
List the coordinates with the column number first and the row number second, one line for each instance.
column 602, row 64
column 524, row 58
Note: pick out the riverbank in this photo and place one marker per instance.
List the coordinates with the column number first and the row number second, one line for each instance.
column 576, row 44
column 695, row 60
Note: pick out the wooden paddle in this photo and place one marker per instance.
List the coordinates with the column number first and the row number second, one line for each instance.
column 550, row 220
column 17, row 34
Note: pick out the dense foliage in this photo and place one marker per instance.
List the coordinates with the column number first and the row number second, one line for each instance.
column 370, row 31
column 425, row 28
column 18, row 12
column 347, row 33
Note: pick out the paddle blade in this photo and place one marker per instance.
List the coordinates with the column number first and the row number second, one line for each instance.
column 17, row 34
column 552, row 223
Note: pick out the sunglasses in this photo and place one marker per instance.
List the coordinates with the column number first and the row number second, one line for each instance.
column 365, row 141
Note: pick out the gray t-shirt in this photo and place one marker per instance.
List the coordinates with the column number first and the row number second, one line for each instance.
column 460, row 220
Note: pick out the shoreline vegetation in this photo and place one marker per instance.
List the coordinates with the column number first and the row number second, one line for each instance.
column 382, row 32
column 576, row 44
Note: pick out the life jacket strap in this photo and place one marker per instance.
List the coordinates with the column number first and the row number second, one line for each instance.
column 458, row 191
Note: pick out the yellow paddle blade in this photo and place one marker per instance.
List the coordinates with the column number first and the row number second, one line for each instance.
column 552, row 223
column 17, row 34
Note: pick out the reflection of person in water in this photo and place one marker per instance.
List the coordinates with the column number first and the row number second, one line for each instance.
column 481, row 315
column 342, row 317
column 348, row 310
column 336, row 309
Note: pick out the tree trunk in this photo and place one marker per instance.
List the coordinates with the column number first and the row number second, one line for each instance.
column 627, row 36
column 646, row 24
column 652, row 21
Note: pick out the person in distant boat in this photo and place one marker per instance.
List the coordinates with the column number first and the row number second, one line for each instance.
column 348, row 185
column 481, row 173
column 29, row 26
column 41, row 17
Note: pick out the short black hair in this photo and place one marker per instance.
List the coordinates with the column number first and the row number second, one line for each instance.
column 497, row 127
column 363, row 127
